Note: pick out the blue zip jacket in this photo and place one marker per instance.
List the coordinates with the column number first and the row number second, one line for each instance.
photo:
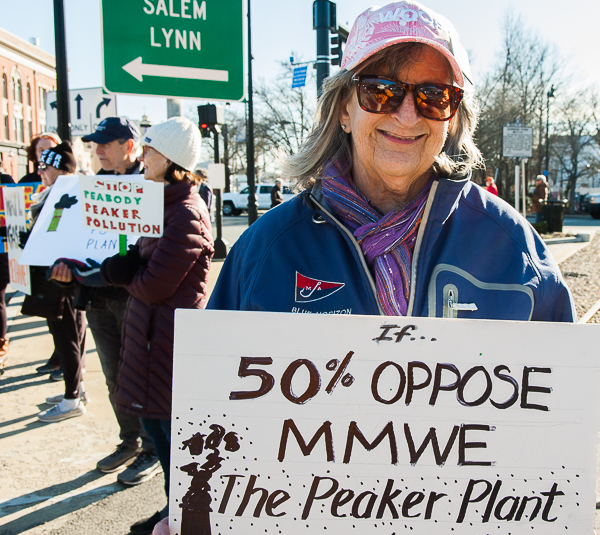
column 475, row 257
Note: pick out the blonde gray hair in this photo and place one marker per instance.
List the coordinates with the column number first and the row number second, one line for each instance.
column 328, row 142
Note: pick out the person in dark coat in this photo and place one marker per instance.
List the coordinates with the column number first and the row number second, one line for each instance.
column 162, row 274
column 276, row 196
column 65, row 323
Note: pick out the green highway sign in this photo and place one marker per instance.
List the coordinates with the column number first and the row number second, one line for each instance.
column 174, row 48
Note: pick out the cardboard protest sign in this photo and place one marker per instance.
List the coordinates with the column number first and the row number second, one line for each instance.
column 122, row 206
column 286, row 423
column 59, row 231
column 29, row 188
column 16, row 221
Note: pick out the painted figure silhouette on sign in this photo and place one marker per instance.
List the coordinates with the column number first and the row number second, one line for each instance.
column 195, row 504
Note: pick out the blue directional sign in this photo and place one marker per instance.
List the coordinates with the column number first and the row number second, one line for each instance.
column 299, row 79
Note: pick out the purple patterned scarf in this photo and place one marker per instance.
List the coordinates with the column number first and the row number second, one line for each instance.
column 387, row 241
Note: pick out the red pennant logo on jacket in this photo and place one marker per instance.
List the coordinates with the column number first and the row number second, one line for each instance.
column 308, row 289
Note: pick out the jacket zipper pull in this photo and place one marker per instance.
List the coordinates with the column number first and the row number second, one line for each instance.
column 452, row 306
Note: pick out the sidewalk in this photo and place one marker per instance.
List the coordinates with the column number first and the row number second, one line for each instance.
column 49, row 482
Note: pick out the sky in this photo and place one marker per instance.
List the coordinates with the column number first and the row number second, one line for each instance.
column 282, row 26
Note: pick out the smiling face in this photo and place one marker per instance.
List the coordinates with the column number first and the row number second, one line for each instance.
column 393, row 153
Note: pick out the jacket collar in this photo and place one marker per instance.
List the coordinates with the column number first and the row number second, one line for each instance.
column 178, row 191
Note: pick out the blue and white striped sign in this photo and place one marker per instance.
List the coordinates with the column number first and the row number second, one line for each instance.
column 299, row 79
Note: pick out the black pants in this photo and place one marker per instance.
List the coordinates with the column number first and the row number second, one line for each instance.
column 105, row 318
column 69, row 345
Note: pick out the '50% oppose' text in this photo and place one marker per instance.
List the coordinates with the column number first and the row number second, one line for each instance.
column 413, row 380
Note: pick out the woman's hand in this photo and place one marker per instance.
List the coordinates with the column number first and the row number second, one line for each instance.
column 61, row 273
column 162, row 528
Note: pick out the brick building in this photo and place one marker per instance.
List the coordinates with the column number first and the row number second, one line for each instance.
column 27, row 74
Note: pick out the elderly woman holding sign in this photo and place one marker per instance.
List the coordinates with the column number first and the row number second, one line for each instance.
column 389, row 222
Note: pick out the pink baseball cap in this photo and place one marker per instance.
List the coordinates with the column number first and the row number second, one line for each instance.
column 405, row 22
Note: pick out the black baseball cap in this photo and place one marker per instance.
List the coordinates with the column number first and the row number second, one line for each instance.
column 113, row 128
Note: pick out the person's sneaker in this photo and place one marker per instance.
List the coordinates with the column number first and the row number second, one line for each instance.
column 57, row 375
column 47, row 368
column 142, row 469
column 55, row 400
column 55, row 414
column 121, row 457
column 146, row 525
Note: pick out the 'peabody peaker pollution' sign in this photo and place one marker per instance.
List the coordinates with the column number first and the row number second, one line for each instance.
column 382, row 425
column 122, row 206
column 174, row 48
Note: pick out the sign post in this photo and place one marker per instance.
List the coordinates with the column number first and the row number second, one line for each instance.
column 187, row 49
column 365, row 424
column 517, row 142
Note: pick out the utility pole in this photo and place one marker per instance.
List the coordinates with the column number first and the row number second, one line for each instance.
column 324, row 21
column 550, row 95
column 62, row 79
column 252, row 205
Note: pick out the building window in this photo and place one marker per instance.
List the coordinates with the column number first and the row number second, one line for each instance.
column 17, row 89
column 6, row 130
column 30, row 130
column 18, row 128
column 4, row 86
column 42, row 98
column 28, row 94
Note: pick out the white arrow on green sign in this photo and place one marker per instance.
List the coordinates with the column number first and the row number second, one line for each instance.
column 174, row 48
column 138, row 70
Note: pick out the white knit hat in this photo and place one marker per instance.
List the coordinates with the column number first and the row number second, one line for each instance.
column 177, row 139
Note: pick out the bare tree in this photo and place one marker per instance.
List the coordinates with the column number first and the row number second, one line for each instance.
column 516, row 87
column 574, row 144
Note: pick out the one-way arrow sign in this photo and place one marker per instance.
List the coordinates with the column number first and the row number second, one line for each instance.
column 88, row 108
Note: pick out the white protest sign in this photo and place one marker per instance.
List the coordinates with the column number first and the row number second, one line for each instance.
column 16, row 221
column 288, row 423
column 59, row 231
column 122, row 206
column 88, row 107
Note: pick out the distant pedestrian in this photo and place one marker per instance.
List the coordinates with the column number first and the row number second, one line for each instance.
column 204, row 189
column 276, row 196
column 491, row 185
column 39, row 143
column 117, row 146
column 540, row 195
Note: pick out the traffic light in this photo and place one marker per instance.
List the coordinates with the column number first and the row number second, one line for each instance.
column 209, row 117
column 336, row 49
column 338, row 40
column 204, row 130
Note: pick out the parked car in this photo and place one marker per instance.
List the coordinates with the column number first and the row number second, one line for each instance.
column 236, row 203
column 591, row 203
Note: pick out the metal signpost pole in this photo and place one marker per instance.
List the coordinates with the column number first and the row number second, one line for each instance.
column 62, row 80
column 220, row 245
column 517, row 183
column 252, row 205
column 324, row 13
column 225, row 132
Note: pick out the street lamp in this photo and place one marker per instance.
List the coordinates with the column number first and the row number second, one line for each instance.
column 550, row 95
